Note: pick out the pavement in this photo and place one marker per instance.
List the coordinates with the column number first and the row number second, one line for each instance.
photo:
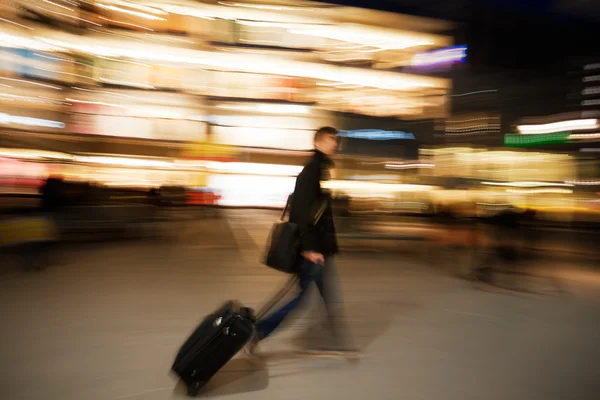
column 106, row 321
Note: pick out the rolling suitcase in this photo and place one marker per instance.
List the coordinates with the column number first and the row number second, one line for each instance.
column 218, row 338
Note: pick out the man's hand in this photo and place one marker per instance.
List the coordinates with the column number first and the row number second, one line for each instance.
column 314, row 257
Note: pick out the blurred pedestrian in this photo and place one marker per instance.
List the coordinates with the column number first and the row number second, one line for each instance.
column 509, row 243
column 459, row 236
column 52, row 194
column 318, row 246
column 53, row 197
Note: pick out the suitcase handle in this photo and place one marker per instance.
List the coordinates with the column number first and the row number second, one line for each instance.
column 268, row 306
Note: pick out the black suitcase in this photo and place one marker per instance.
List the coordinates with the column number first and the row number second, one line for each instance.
column 215, row 341
column 219, row 337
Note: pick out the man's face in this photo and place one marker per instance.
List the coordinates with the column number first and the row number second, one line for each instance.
column 327, row 144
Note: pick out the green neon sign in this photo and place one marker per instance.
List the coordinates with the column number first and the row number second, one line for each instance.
column 519, row 140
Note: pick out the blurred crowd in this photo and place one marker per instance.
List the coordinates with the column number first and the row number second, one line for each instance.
column 73, row 210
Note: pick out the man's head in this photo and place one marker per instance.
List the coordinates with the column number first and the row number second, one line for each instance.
column 326, row 140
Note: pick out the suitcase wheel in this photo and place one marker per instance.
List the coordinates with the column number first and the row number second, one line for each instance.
column 194, row 388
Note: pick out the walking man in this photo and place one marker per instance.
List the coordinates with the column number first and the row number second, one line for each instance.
column 318, row 245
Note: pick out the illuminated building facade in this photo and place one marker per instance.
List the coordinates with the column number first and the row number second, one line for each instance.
column 143, row 86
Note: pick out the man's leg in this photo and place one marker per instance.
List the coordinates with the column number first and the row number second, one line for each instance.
column 484, row 271
column 328, row 285
column 35, row 255
column 309, row 273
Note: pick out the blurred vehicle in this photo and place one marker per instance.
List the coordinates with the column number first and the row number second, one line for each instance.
column 30, row 238
column 203, row 197
column 172, row 196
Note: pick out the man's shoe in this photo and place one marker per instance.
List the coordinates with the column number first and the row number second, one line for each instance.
column 483, row 275
column 337, row 353
column 252, row 346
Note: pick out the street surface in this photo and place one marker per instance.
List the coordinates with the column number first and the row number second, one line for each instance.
column 106, row 322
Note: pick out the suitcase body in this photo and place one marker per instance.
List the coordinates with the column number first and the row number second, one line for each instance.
column 218, row 338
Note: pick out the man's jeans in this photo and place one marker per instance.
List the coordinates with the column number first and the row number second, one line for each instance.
column 325, row 279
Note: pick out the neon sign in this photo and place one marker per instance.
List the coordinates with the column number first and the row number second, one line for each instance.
column 27, row 121
column 440, row 58
column 518, row 140
column 376, row 134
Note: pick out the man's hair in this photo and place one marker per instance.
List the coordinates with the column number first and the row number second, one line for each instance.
column 326, row 130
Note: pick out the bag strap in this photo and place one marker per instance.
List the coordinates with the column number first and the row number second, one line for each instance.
column 287, row 206
column 317, row 216
column 320, row 212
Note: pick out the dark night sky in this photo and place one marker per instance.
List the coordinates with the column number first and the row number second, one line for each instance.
column 571, row 10
column 529, row 35
column 525, row 50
